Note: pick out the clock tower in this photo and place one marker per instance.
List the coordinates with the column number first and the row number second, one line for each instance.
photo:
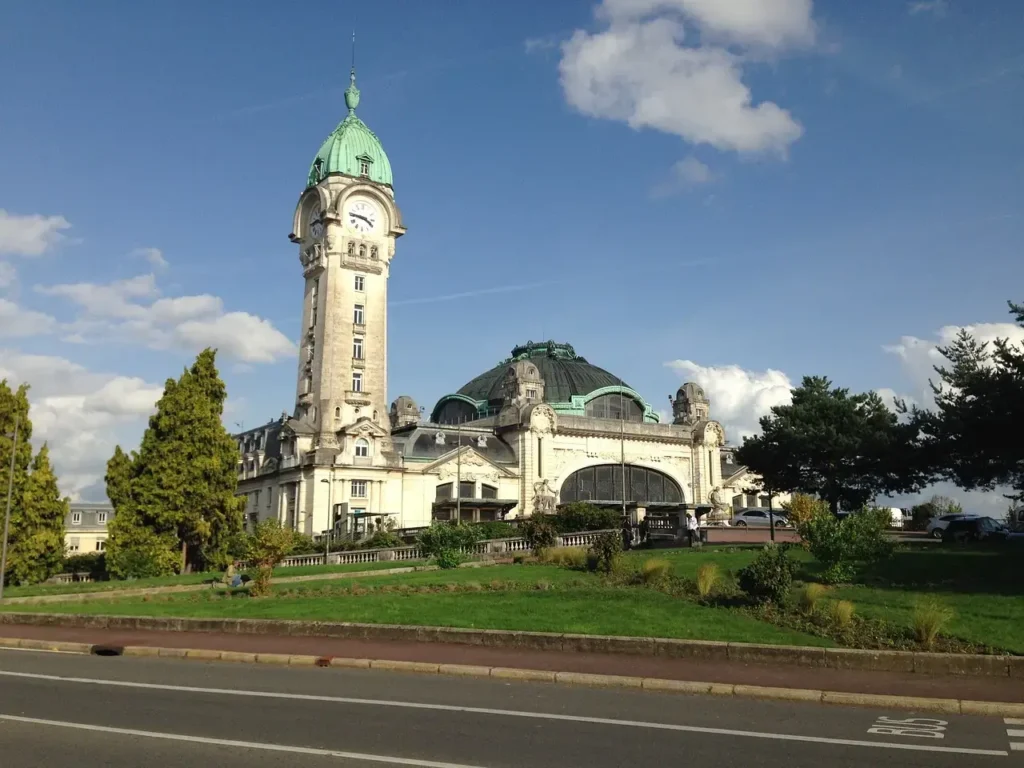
column 345, row 226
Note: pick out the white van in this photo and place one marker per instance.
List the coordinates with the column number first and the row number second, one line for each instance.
column 895, row 517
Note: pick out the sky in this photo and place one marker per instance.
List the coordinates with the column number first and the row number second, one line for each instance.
column 734, row 192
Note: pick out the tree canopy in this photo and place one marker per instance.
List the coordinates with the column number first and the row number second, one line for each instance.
column 179, row 488
column 972, row 436
column 843, row 448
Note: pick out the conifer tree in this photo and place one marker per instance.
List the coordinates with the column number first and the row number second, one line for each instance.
column 14, row 403
column 36, row 546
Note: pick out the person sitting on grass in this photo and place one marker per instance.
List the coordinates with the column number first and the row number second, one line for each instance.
column 232, row 578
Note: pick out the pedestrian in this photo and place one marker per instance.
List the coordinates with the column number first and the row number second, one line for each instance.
column 644, row 531
column 627, row 534
column 691, row 527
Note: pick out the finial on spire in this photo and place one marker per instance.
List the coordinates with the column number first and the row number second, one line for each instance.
column 352, row 93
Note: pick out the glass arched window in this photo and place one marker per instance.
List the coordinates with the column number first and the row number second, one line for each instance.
column 362, row 448
column 615, row 406
column 604, row 483
column 456, row 412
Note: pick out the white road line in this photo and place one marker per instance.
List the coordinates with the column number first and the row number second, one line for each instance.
column 243, row 744
column 1017, row 746
column 38, row 650
column 1016, row 734
column 1014, row 720
column 510, row 713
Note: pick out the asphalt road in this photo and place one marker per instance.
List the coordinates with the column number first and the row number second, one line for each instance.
column 58, row 709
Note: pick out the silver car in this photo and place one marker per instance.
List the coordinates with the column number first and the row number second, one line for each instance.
column 938, row 524
column 758, row 518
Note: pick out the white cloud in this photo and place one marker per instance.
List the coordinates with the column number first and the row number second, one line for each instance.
column 739, row 397
column 772, row 23
column 686, row 174
column 153, row 255
column 16, row 321
column 639, row 71
column 129, row 310
column 934, row 7
column 8, row 275
column 919, row 356
column 31, row 235
column 82, row 415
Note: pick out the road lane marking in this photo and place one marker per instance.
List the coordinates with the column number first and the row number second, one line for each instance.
column 510, row 713
column 917, row 727
column 1016, row 734
column 233, row 743
column 38, row 650
column 1014, row 720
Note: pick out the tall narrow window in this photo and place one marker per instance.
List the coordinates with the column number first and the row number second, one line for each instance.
column 101, row 517
column 362, row 448
column 337, row 412
column 357, row 348
column 357, row 382
column 364, row 168
column 307, row 385
column 76, row 518
column 360, row 283
column 357, row 314
column 358, row 489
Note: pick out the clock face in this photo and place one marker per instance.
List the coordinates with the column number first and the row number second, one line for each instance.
column 316, row 226
column 362, row 216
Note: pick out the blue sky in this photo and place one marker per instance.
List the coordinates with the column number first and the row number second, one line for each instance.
column 736, row 192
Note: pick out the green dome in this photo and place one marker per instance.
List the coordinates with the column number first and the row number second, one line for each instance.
column 564, row 372
column 352, row 148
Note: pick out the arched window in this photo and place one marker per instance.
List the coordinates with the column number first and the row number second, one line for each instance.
column 615, row 406
column 443, row 491
column 337, row 412
column 455, row 412
column 604, row 483
column 362, row 448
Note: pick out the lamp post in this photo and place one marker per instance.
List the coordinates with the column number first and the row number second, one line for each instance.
column 7, row 513
column 330, row 522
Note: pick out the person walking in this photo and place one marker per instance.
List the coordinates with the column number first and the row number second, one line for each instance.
column 691, row 527
column 627, row 534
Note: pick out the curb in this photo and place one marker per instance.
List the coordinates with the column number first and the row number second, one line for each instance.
column 918, row 662
column 811, row 696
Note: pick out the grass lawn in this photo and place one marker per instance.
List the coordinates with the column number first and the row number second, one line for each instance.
column 577, row 603
column 189, row 578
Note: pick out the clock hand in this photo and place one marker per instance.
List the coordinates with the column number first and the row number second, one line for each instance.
column 356, row 215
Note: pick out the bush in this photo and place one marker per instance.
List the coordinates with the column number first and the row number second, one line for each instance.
column 930, row 616
column 539, row 533
column 842, row 544
column 842, row 613
column 580, row 516
column 655, row 571
column 446, row 542
column 769, row 578
column 810, row 596
column 268, row 546
column 137, row 552
column 574, row 558
column 383, row 539
column 304, row 545
column 708, row 576
column 93, row 563
column 802, row 507
column 604, row 552
column 495, row 530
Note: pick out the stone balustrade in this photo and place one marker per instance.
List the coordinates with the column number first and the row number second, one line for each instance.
column 487, row 548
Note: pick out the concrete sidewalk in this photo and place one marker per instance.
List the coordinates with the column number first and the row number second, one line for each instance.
column 697, row 670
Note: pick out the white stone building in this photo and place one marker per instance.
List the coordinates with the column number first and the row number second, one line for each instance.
column 542, row 427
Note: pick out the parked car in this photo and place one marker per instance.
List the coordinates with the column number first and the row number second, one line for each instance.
column 981, row 529
column 937, row 525
column 758, row 517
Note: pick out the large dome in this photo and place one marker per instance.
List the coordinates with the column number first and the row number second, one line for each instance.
column 564, row 372
column 352, row 148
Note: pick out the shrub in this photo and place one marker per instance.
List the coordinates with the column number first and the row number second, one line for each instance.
column 842, row 544
column 605, row 551
column 268, row 546
column 810, row 596
column 137, row 552
column 930, row 616
column 574, row 558
column 93, row 563
column 581, row 516
column 383, row 539
column 655, row 570
column 539, row 533
column 519, row 558
column 446, row 542
column 802, row 507
column 304, row 545
column 768, row 579
column 494, row 530
column 842, row 613
column 708, row 576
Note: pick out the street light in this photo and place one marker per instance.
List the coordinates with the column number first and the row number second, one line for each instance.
column 7, row 514
column 330, row 522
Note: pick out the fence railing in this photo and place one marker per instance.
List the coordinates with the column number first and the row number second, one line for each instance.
column 405, row 554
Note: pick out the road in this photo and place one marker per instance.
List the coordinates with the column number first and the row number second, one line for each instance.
column 62, row 709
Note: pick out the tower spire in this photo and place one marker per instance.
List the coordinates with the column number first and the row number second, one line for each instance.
column 352, row 93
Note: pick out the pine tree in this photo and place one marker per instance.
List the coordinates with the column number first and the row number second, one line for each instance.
column 36, row 548
column 183, row 480
column 14, row 404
